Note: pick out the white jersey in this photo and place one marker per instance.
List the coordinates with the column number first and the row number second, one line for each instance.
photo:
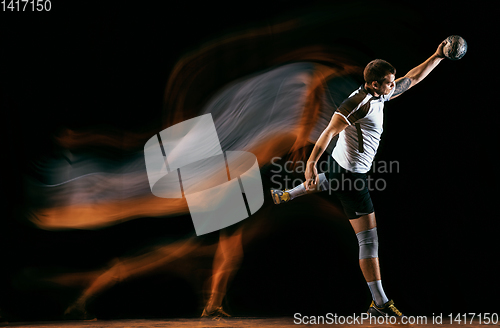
column 358, row 143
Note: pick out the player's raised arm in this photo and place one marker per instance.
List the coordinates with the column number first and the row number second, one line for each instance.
column 418, row 73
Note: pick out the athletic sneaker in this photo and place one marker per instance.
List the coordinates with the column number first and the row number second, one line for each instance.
column 280, row 196
column 388, row 309
column 215, row 314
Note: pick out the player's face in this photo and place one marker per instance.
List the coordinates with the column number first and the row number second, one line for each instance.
column 386, row 86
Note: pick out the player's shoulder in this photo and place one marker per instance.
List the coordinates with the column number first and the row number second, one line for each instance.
column 355, row 99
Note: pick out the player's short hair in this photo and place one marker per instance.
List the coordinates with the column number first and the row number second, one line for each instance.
column 377, row 69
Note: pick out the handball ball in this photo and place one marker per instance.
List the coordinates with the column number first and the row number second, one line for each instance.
column 455, row 48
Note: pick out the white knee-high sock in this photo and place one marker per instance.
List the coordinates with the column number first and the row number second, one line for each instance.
column 377, row 291
column 297, row 191
column 301, row 190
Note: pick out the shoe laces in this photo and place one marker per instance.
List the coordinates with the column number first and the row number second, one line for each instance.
column 393, row 308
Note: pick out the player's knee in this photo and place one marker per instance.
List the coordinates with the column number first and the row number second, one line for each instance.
column 368, row 243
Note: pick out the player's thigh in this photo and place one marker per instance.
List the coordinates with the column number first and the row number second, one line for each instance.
column 364, row 222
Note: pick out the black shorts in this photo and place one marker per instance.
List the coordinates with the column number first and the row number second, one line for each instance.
column 351, row 189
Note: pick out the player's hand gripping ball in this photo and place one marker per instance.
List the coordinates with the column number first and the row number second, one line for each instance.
column 455, row 48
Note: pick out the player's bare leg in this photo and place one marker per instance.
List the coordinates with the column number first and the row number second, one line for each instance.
column 370, row 266
column 365, row 229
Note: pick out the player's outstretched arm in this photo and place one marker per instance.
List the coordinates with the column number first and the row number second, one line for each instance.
column 418, row 73
column 336, row 125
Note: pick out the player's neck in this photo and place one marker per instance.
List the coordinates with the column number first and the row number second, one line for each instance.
column 371, row 90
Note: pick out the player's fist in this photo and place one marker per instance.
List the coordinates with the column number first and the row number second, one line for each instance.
column 439, row 51
column 311, row 175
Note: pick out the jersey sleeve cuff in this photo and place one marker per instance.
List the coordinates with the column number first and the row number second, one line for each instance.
column 345, row 118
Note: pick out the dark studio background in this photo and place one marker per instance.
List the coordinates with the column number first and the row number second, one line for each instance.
column 107, row 65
